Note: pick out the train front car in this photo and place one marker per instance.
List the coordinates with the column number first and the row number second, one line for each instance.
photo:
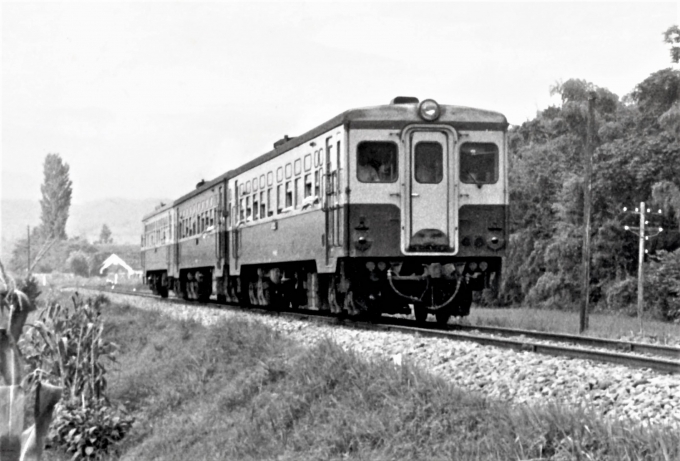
column 426, row 206
column 158, row 241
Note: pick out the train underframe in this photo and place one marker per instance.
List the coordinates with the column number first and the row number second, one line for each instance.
column 359, row 287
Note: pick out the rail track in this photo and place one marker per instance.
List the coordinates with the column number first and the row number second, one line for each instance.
column 664, row 359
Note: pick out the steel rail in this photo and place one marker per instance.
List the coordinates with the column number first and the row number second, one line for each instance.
column 406, row 326
column 629, row 360
column 623, row 346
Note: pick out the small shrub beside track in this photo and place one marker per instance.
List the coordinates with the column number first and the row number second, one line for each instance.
column 66, row 344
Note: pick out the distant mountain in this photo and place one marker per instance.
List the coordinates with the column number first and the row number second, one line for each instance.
column 123, row 216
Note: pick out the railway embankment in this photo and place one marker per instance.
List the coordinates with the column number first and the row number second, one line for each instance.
column 614, row 391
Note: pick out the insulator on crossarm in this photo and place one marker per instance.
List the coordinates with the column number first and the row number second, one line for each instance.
column 660, row 229
column 646, row 237
column 646, row 251
column 648, row 210
column 625, row 208
column 626, row 227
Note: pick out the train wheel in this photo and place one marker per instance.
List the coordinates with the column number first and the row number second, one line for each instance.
column 333, row 301
column 349, row 304
column 241, row 293
column 442, row 316
column 232, row 293
column 252, row 294
column 374, row 314
column 420, row 313
column 264, row 293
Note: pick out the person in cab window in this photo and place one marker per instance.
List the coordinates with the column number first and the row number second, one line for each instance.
column 384, row 173
column 369, row 171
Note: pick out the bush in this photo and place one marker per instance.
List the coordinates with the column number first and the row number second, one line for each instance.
column 622, row 295
column 89, row 431
column 661, row 290
column 662, row 285
column 78, row 263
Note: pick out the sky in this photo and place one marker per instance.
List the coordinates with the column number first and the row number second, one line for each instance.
column 144, row 99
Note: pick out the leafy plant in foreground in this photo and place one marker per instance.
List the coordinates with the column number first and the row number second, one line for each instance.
column 89, row 431
column 68, row 344
column 17, row 444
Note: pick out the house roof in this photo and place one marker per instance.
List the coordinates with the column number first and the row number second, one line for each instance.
column 116, row 260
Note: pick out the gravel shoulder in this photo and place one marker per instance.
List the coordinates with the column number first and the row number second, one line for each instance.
column 515, row 377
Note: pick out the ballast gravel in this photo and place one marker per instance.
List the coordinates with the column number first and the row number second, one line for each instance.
column 515, row 377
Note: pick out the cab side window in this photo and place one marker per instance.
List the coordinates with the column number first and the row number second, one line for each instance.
column 377, row 162
column 479, row 163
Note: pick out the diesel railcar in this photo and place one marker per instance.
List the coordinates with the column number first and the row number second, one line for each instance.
column 376, row 210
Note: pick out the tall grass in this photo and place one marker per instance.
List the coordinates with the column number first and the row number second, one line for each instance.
column 239, row 390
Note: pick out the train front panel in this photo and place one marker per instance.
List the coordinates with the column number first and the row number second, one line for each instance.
column 427, row 209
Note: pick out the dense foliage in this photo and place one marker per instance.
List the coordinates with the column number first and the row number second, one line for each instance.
column 637, row 158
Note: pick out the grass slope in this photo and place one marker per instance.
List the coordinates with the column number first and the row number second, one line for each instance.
column 240, row 391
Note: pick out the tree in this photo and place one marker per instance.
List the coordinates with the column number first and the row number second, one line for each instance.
column 672, row 37
column 56, row 197
column 105, row 235
column 78, row 264
column 55, row 203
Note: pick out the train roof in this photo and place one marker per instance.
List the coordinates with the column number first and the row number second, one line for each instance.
column 158, row 210
column 390, row 116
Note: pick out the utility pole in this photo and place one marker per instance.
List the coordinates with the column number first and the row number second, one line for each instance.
column 641, row 260
column 587, row 191
column 28, row 255
column 641, row 231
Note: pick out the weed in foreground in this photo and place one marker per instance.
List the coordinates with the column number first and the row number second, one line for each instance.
column 15, row 442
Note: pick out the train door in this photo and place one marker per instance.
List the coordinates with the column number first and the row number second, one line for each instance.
column 218, row 222
column 431, row 211
column 235, row 224
column 329, row 199
column 333, row 210
column 168, row 225
column 175, row 235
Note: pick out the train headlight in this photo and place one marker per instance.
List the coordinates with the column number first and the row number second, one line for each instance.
column 429, row 110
